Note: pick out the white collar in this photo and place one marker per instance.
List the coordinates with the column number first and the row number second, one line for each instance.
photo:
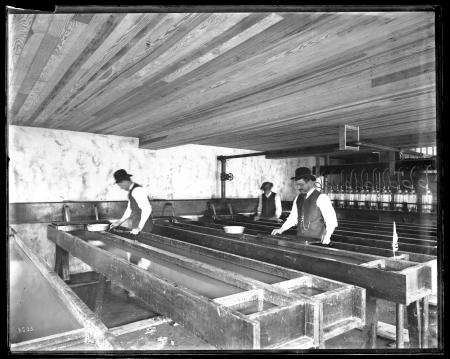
column 309, row 192
column 131, row 186
column 268, row 194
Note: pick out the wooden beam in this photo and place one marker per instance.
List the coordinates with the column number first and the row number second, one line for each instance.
column 62, row 263
column 400, row 325
column 100, row 291
column 139, row 325
column 414, row 324
column 425, row 330
column 370, row 330
column 49, row 342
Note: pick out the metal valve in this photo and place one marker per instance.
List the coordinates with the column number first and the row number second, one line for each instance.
column 226, row 176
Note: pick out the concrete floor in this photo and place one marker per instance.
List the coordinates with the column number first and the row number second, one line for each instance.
column 119, row 309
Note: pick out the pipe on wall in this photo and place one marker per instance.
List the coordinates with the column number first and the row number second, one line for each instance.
column 223, row 170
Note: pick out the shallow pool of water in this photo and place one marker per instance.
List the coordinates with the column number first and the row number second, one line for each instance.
column 197, row 282
column 35, row 309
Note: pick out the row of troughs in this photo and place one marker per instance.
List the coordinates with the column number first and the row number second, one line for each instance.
column 405, row 195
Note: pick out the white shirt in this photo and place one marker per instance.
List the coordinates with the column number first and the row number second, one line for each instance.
column 141, row 197
column 327, row 210
column 278, row 209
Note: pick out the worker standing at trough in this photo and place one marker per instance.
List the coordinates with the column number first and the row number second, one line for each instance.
column 269, row 203
column 139, row 208
column 312, row 211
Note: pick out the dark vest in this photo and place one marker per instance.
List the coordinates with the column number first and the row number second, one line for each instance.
column 135, row 217
column 313, row 225
column 268, row 205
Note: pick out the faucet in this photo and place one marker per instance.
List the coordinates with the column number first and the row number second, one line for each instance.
column 95, row 211
column 66, row 213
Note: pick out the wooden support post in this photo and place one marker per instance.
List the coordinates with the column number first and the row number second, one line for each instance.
column 100, row 291
column 399, row 325
column 321, row 329
column 91, row 296
column 414, row 324
column 370, row 329
column 62, row 263
column 425, row 321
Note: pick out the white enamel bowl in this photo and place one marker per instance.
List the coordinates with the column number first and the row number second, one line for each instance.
column 97, row 227
column 234, row 229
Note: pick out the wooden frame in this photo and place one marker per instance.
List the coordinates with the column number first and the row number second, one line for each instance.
column 404, row 286
column 350, row 299
column 343, row 140
column 216, row 323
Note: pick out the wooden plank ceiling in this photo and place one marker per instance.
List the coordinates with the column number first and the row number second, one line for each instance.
column 257, row 81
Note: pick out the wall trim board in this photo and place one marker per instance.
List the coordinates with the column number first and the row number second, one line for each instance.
column 48, row 212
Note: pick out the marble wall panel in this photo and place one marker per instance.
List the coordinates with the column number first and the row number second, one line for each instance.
column 49, row 165
column 52, row 165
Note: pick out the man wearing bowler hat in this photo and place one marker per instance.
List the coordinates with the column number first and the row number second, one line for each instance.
column 312, row 211
column 139, row 208
column 269, row 203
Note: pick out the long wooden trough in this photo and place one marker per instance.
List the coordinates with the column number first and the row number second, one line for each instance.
column 228, row 309
column 348, row 234
column 395, row 280
column 413, row 283
column 341, row 303
column 44, row 313
column 358, row 247
column 403, row 229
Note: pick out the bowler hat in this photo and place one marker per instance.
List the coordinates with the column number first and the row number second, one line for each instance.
column 303, row 173
column 121, row 175
column 266, row 184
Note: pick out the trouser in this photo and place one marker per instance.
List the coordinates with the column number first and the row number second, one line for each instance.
column 148, row 227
